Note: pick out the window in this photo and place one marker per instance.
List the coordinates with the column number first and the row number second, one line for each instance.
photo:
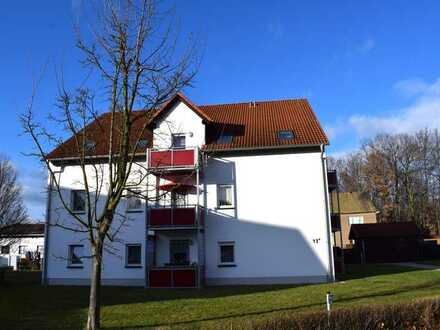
column 179, row 252
column 178, row 141
column 285, row 135
column 78, row 201
column 134, row 202
column 225, row 138
column 5, row 249
column 355, row 220
column 143, row 143
column 225, row 196
column 76, row 252
column 133, row 254
column 89, row 145
column 22, row 249
column 227, row 255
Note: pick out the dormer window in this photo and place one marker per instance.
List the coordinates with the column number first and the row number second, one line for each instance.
column 285, row 135
column 225, row 138
column 178, row 141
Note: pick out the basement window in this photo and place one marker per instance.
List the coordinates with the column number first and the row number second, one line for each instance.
column 285, row 135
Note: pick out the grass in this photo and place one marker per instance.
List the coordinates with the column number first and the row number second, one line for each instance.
column 28, row 305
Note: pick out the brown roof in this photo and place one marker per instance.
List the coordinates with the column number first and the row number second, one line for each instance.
column 351, row 202
column 382, row 230
column 18, row 230
column 98, row 132
column 252, row 126
column 258, row 126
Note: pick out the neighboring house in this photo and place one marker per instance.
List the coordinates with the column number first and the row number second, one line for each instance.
column 386, row 242
column 245, row 200
column 354, row 209
column 22, row 240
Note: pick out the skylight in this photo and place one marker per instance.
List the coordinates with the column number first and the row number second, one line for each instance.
column 143, row 143
column 89, row 145
column 285, row 135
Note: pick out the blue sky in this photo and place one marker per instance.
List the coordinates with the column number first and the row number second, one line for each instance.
column 365, row 66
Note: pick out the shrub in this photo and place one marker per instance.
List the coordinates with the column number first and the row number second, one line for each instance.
column 424, row 314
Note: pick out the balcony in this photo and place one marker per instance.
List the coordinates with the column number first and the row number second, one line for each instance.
column 332, row 180
column 173, row 277
column 172, row 159
column 175, row 217
column 336, row 222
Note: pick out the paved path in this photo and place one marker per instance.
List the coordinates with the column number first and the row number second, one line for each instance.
column 416, row 265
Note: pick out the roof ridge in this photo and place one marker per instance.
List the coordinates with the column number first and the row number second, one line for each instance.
column 303, row 99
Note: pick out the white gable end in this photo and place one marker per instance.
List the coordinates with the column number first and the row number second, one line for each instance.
column 180, row 119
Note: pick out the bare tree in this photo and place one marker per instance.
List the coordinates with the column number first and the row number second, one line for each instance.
column 12, row 209
column 137, row 60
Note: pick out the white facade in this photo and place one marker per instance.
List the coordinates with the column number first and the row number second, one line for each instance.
column 18, row 247
column 277, row 225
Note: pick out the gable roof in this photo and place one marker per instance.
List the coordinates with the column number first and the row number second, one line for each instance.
column 180, row 97
column 252, row 126
column 25, row 229
column 352, row 202
column 257, row 125
column 383, row 230
column 99, row 132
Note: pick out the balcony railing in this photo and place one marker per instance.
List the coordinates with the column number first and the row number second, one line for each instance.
column 172, row 158
column 164, row 217
column 173, row 277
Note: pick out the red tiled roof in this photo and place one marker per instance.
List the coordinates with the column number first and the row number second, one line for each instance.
column 258, row 126
column 98, row 132
column 252, row 126
column 181, row 97
column 382, row 230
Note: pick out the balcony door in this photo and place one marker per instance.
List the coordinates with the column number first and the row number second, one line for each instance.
column 179, row 252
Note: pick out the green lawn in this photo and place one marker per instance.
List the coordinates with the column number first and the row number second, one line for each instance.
column 31, row 306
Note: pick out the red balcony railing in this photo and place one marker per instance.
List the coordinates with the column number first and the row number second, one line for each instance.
column 174, row 217
column 172, row 158
column 172, row 277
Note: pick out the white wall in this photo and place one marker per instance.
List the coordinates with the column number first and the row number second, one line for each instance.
column 31, row 243
column 114, row 270
column 280, row 211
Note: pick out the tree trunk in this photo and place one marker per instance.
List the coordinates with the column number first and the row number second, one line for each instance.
column 93, row 320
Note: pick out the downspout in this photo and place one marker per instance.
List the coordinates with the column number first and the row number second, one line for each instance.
column 46, row 227
column 331, row 275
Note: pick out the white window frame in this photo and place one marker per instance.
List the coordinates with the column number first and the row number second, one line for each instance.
column 229, row 263
column 133, row 195
column 178, row 135
column 72, row 199
column 132, row 265
column 70, row 249
column 356, row 220
column 232, row 206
